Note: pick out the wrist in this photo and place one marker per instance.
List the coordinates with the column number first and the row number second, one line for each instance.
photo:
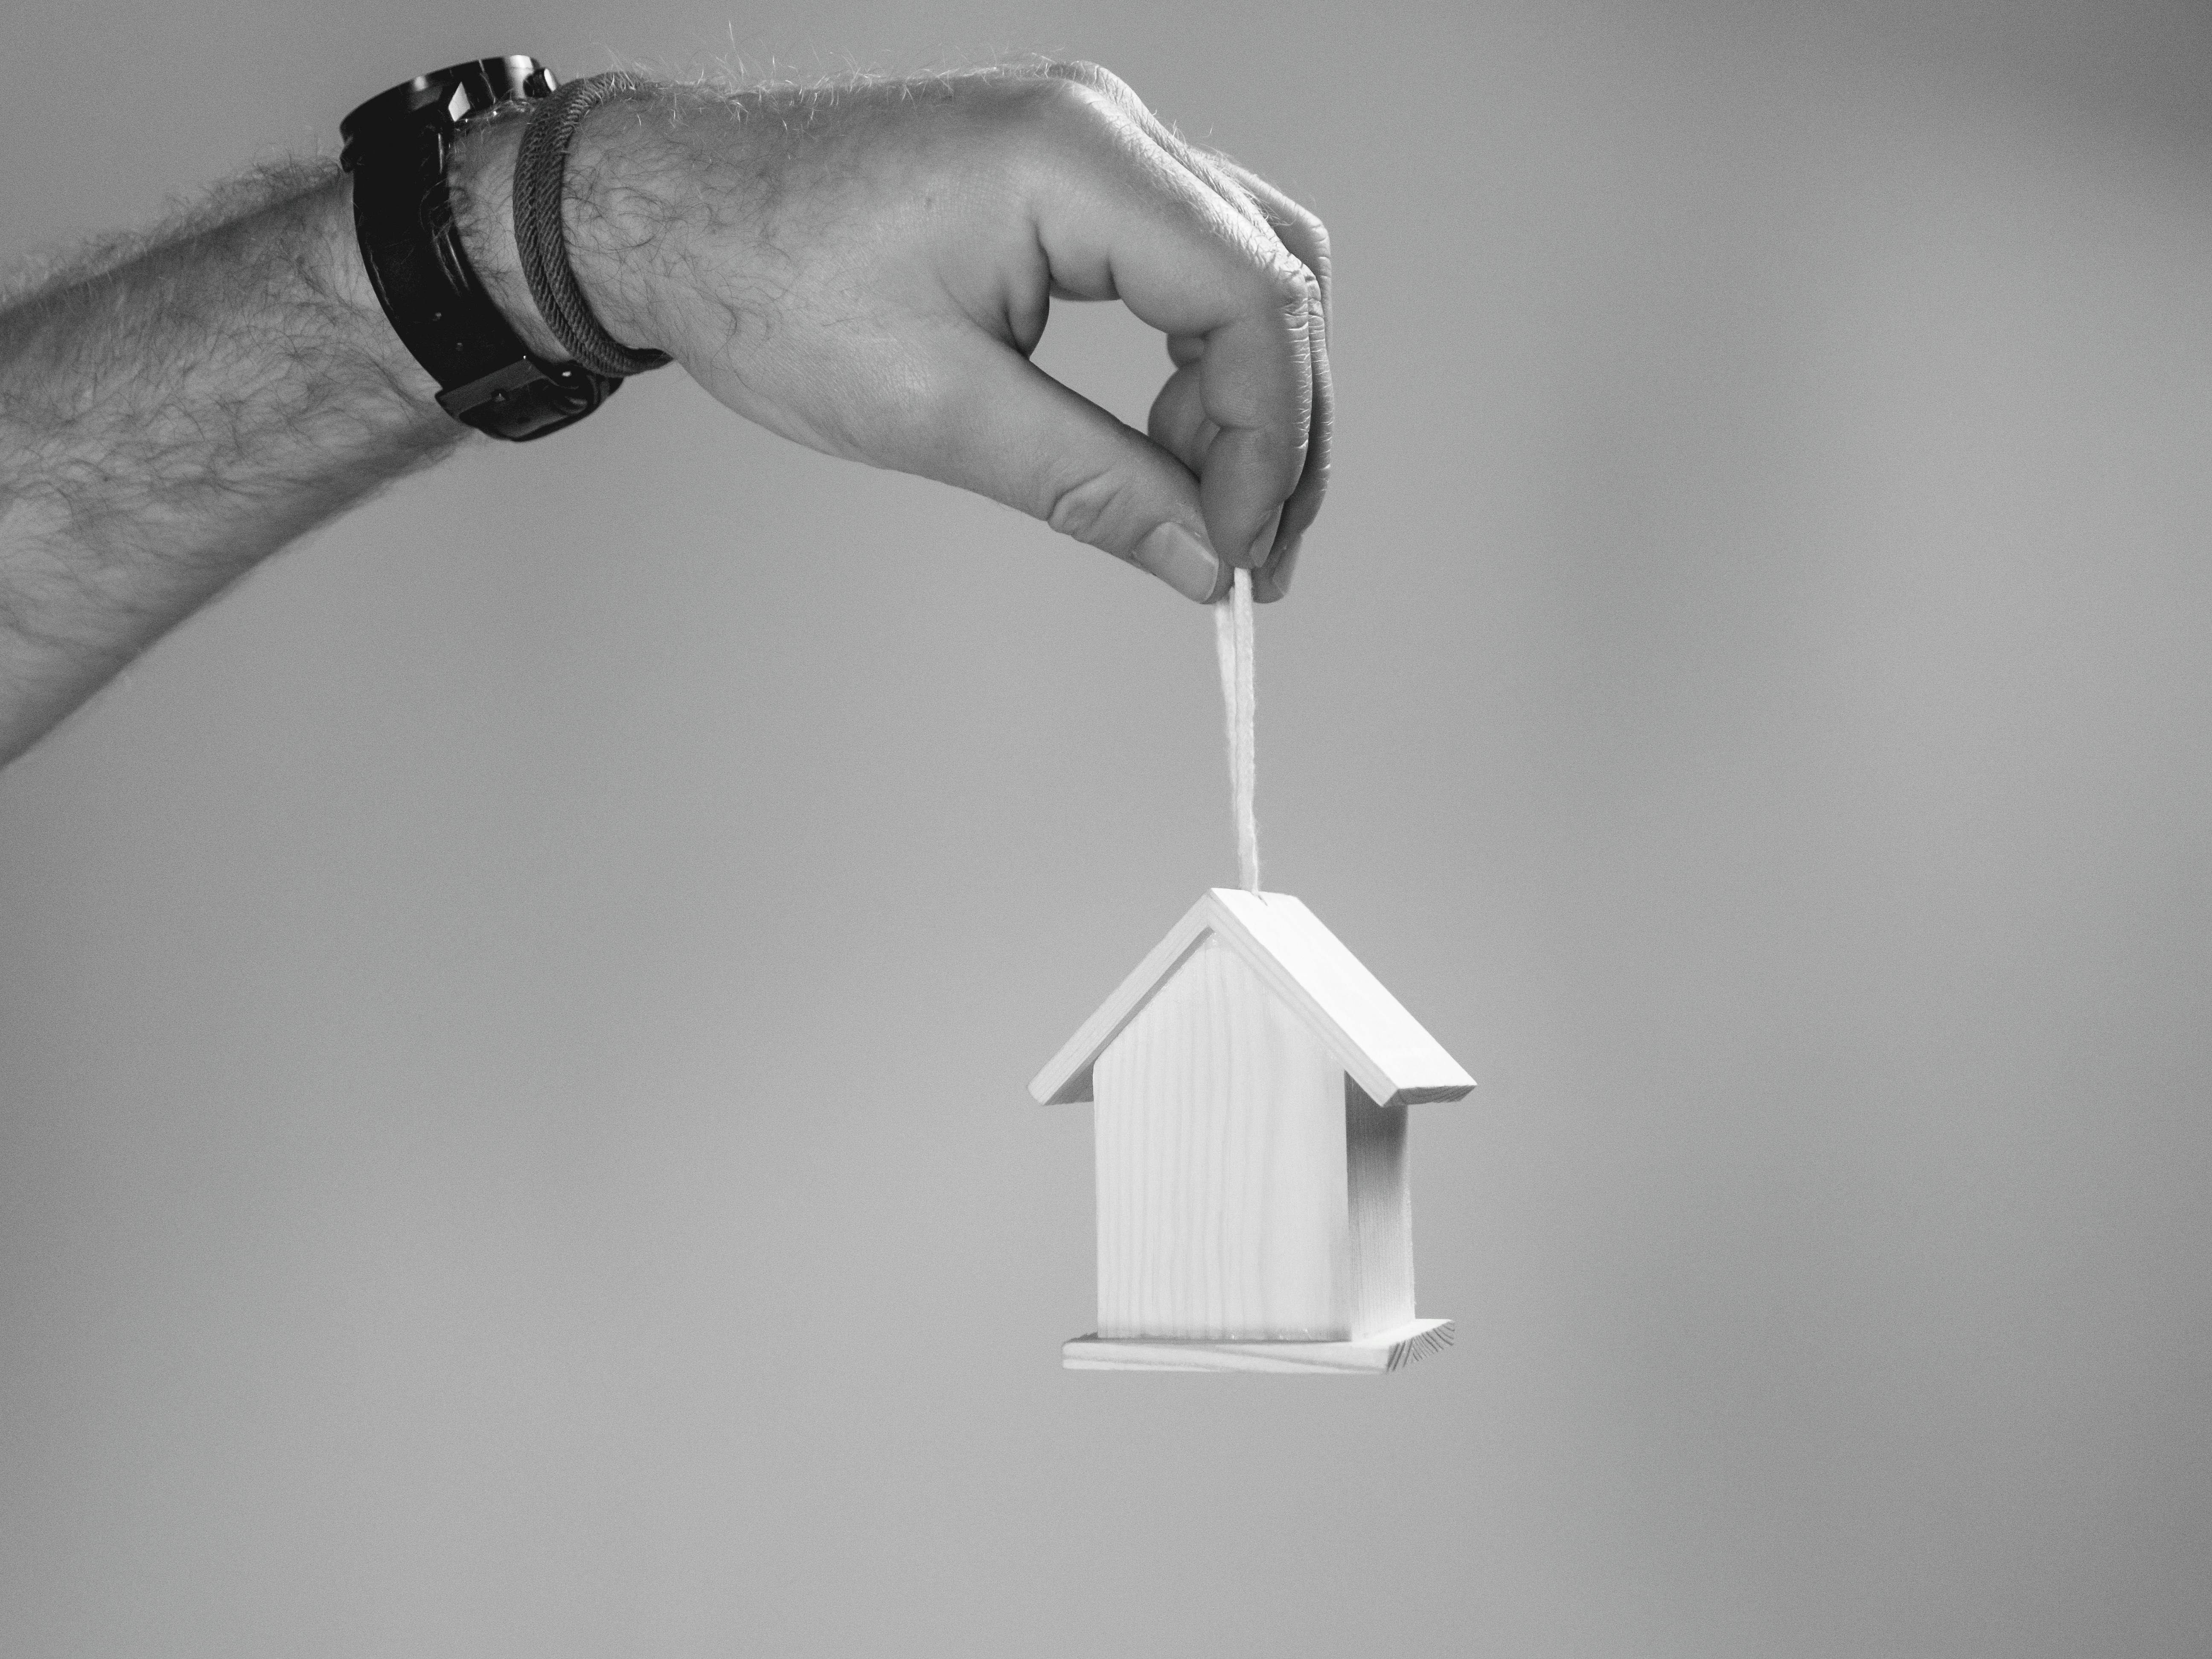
column 480, row 184
column 339, row 282
column 611, row 215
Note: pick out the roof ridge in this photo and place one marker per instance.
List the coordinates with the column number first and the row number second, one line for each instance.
column 1365, row 1029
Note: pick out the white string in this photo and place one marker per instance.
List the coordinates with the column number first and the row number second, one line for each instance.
column 1232, row 652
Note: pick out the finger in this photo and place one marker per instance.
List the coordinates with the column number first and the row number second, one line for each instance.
column 1197, row 265
column 1179, row 423
column 1299, row 229
column 1305, row 236
column 1273, row 581
column 1203, row 164
column 1011, row 432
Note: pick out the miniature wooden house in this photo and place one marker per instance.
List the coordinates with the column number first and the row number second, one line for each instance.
column 1250, row 1082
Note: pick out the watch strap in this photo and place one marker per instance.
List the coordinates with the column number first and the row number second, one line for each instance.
column 397, row 147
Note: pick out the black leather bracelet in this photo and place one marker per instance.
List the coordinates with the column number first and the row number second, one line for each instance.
column 397, row 146
column 541, row 169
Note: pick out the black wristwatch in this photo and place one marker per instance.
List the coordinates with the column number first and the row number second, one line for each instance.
column 396, row 147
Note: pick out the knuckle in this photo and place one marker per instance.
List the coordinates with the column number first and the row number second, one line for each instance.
column 1294, row 290
column 1076, row 92
column 1083, row 72
column 1086, row 508
column 1101, row 83
column 1307, row 222
column 1049, row 123
column 1307, row 241
column 1317, row 234
column 1301, row 230
column 1265, row 272
column 1060, row 122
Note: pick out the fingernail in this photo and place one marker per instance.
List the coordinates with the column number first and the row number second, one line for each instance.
column 1276, row 577
column 1184, row 562
column 1264, row 543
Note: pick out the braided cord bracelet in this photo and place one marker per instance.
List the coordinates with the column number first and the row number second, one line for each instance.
column 541, row 168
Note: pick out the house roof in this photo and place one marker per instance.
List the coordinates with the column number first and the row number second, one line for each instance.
column 1363, row 1026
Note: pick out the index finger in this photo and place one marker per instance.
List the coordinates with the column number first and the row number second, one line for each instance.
column 1130, row 221
column 1303, row 234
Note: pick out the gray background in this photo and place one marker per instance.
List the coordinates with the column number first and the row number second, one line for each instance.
column 512, row 1026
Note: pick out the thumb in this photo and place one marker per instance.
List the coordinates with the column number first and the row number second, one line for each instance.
column 1020, row 436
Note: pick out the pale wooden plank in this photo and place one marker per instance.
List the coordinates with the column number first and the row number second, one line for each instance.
column 1066, row 1080
column 1221, row 1166
column 1374, row 1356
column 1368, row 1031
column 1379, row 1213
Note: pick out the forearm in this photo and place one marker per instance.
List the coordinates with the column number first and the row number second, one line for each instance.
column 864, row 269
column 168, row 422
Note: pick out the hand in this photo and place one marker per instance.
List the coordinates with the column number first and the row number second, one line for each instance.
column 867, row 269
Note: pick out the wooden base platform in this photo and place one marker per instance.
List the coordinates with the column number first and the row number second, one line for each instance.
column 1371, row 1356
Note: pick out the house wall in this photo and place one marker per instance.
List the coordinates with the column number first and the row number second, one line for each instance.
column 1221, row 1166
column 1379, row 1211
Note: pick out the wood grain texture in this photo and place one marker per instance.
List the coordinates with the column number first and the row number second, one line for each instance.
column 1222, row 1166
column 1379, row 1213
column 1373, row 1037
column 1066, row 1080
column 1374, row 1356
column 1370, row 1033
